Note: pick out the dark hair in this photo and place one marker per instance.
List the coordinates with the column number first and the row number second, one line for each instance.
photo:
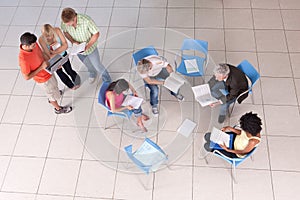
column 251, row 123
column 28, row 38
column 118, row 86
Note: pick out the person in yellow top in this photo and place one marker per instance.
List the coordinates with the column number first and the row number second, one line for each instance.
column 244, row 139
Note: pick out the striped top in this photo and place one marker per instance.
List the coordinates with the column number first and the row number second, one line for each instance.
column 83, row 32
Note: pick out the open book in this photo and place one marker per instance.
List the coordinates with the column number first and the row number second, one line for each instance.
column 77, row 48
column 191, row 66
column 186, row 128
column 203, row 95
column 56, row 62
column 174, row 82
column 219, row 137
column 133, row 101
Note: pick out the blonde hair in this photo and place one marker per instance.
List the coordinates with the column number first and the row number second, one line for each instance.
column 68, row 15
column 48, row 30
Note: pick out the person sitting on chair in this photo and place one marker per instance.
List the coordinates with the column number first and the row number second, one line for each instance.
column 244, row 140
column 115, row 97
column 154, row 71
column 232, row 80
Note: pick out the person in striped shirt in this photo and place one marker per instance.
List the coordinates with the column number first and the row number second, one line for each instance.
column 80, row 28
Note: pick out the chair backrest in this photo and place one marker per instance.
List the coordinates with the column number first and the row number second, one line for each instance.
column 250, row 71
column 148, row 157
column 191, row 44
column 101, row 95
column 147, row 51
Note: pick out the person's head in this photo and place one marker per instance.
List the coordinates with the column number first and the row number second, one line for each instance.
column 221, row 72
column 251, row 123
column 48, row 32
column 144, row 66
column 28, row 41
column 118, row 86
column 69, row 17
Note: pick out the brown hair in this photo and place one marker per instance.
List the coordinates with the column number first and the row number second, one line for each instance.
column 68, row 15
column 48, row 30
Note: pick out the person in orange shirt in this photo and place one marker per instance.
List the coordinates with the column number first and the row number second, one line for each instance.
column 33, row 63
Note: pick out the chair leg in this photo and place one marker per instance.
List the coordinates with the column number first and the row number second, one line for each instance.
column 105, row 121
column 233, row 173
column 231, row 110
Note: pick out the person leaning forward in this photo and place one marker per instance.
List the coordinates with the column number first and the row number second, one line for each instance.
column 80, row 28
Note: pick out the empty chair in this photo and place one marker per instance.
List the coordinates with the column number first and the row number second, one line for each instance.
column 101, row 100
column 191, row 64
column 252, row 75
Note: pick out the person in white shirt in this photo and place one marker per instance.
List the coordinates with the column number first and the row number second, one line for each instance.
column 154, row 70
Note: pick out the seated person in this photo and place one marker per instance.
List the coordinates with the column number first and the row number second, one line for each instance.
column 233, row 80
column 244, row 140
column 154, row 71
column 115, row 97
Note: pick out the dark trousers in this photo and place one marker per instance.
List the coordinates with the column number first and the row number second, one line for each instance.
column 70, row 73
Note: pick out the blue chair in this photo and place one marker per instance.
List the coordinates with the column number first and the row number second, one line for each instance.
column 101, row 100
column 148, row 157
column 252, row 75
column 147, row 51
column 193, row 45
column 233, row 161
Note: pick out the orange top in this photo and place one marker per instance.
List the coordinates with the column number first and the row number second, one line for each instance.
column 30, row 61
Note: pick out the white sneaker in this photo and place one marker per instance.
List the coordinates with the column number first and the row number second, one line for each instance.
column 92, row 80
column 155, row 111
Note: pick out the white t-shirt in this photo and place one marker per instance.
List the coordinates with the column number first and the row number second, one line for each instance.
column 157, row 65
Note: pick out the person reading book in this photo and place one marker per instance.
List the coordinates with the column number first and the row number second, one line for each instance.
column 154, row 71
column 244, row 140
column 115, row 97
column 232, row 80
column 53, row 42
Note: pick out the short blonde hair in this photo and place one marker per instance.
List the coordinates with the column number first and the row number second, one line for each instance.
column 68, row 15
column 48, row 30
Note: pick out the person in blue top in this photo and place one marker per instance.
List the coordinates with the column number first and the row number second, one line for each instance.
column 54, row 42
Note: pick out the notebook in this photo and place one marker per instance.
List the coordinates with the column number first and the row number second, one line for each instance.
column 56, row 62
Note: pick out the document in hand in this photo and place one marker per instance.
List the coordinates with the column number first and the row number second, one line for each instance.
column 218, row 137
column 56, row 62
column 133, row 101
column 203, row 96
column 186, row 128
column 77, row 48
column 191, row 66
column 174, row 82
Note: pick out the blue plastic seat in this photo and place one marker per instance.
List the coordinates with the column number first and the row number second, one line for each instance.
column 101, row 100
column 194, row 45
column 147, row 51
column 148, row 157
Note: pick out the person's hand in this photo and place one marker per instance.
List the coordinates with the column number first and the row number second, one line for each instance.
column 223, row 146
column 214, row 104
column 59, row 67
column 135, row 94
column 129, row 107
column 45, row 64
column 226, row 128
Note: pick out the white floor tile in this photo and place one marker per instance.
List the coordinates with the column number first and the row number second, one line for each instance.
column 238, row 18
column 26, row 16
column 8, row 134
column 48, row 16
column 283, row 183
column 13, row 36
column 124, row 17
column 265, row 41
column 239, row 40
column 7, row 13
column 237, row 4
column 3, row 103
column 208, row 18
column 267, row 19
column 14, row 196
column 4, row 160
column 152, row 17
column 33, row 140
column 7, row 81
column 52, row 197
column 293, row 40
column 180, row 18
column 11, row 55
column 295, row 61
column 59, row 177
column 23, row 175
column 289, row 19
column 267, row 4
column 16, row 109
column 101, row 16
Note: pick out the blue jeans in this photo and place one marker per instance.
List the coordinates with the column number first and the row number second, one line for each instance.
column 93, row 64
column 137, row 112
column 154, row 88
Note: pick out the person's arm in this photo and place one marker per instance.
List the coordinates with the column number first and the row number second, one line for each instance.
column 69, row 37
column 64, row 44
column 111, row 99
column 229, row 128
column 45, row 50
column 169, row 68
column 252, row 143
column 93, row 39
column 35, row 72
column 132, row 90
column 153, row 81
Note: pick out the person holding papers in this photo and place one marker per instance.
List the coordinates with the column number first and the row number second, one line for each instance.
column 227, row 84
column 79, row 28
column 244, row 140
column 54, row 42
column 115, row 97
column 154, row 71
column 33, row 62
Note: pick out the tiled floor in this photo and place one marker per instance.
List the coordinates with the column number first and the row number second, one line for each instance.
column 42, row 156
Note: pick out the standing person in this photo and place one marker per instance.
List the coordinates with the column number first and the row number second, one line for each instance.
column 33, row 62
column 244, row 140
column 80, row 28
column 229, row 78
column 154, row 71
column 54, row 42
column 115, row 97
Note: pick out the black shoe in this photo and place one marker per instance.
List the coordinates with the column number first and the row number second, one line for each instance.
column 221, row 118
column 63, row 109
